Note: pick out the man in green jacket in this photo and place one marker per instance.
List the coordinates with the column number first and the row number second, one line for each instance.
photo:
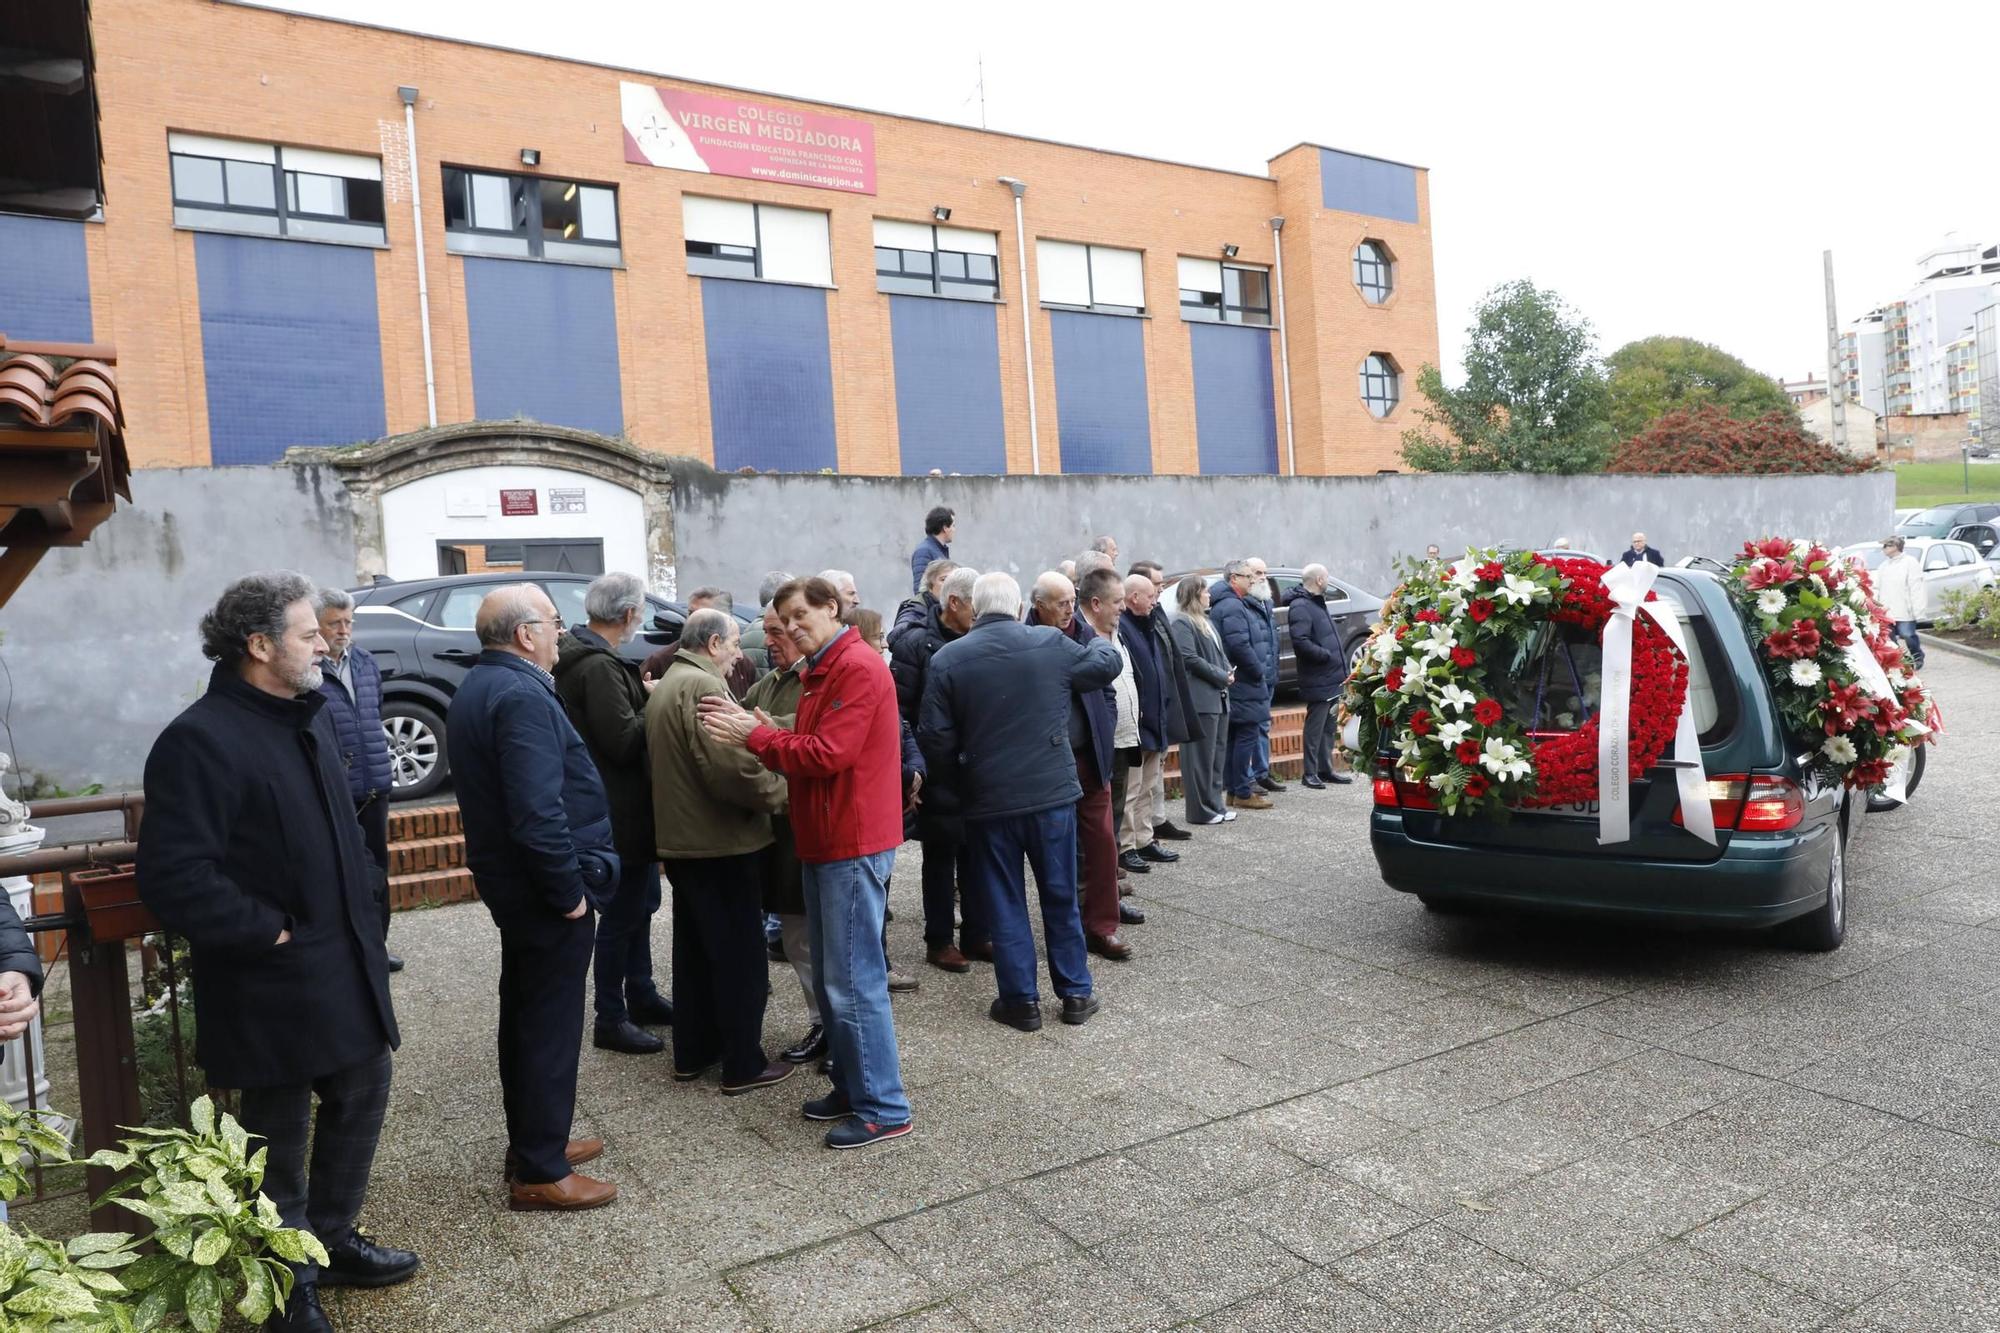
column 712, row 808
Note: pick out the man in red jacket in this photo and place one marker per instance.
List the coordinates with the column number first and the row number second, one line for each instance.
column 843, row 761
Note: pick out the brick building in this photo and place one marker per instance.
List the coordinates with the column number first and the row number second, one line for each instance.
column 741, row 277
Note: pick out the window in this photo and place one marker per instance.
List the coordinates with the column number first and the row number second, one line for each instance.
column 1091, row 277
column 920, row 259
column 732, row 238
column 1374, row 272
column 414, row 604
column 567, row 594
column 1381, row 386
column 460, row 606
column 268, row 190
column 1935, row 558
column 1213, row 292
column 530, row 217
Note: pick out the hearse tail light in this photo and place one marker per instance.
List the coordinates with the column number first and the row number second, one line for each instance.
column 1753, row 803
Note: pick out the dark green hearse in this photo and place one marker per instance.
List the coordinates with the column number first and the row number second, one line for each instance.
column 1780, row 858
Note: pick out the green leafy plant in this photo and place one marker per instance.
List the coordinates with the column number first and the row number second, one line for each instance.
column 68, row 1287
column 1970, row 608
column 25, row 1134
column 221, row 1239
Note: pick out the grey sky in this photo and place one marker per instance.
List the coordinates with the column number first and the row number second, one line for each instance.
column 1677, row 172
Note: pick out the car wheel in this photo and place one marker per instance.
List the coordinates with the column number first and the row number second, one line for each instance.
column 418, row 765
column 1822, row 929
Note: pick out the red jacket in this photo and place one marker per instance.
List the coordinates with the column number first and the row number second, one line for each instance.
column 844, row 756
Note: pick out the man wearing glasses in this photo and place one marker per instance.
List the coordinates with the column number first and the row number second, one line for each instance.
column 538, row 841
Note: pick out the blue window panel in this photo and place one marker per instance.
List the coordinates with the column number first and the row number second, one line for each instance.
column 1101, row 392
column 770, row 376
column 1355, row 184
column 1235, row 412
column 45, row 281
column 291, row 347
column 948, row 413
column 544, row 343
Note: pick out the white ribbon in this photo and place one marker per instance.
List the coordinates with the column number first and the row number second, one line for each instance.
column 1627, row 586
column 1861, row 661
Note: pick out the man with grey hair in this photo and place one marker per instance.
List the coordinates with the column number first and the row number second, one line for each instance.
column 605, row 696
column 768, row 588
column 352, row 684
column 1107, row 546
column 1249, row 639
column 741, row 676
column 251, row 852
column 843, row 583
column 1322, row 669
column 995, row 716
column 539, row 843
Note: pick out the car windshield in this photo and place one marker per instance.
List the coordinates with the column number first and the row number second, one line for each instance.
column 1936, row 514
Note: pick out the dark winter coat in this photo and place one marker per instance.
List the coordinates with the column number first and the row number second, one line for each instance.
column 920, row 560
column 17, row 951
column 1315, row 646
column 1207, row 666
column 1174, row 683
column 250, row 832
column 995, row 720
column 1250, row 638
column 1650, row 556
column 1149, row 674
column 1094, row 715
column 600, row 691
column 357, row 724
column 918, row 633
column 529, row 796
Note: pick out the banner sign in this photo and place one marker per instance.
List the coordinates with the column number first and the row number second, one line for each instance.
column 514, row 503
column 731, row 136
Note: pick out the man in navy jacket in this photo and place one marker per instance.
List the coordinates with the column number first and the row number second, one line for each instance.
column 352, row 684
column 538, row 842
column 1250, row 639
column 936, row 545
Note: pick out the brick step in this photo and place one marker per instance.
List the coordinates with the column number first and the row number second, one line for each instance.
column 1288, row 744
column 431, row 888
column 423, row 821
column 416, row 855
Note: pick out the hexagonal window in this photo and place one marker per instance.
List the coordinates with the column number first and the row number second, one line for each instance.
column 1374, row 271
column 1381, row 383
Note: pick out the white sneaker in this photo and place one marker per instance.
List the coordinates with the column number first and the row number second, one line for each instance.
column 1228, row 816
column 1216, row 819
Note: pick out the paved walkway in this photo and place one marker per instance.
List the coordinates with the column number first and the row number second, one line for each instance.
column 1309, row 1104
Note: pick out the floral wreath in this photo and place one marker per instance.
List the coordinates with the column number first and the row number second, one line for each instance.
column 1430, row 672
column 1838, row 673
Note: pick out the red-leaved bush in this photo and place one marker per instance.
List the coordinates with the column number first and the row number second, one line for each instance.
column 1706, row 440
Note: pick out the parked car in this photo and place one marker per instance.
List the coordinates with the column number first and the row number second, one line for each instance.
column 1354, row 613
column 1939, row 520
column 1978, row 451
column 1782, row 836
column 1983, row 538
column 1947, row 566
column 420, row 631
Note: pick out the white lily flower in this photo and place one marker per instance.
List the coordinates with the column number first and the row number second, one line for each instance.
column 1456, row 698
column 1857, row 598
column 1439, row 642
column 1462, row 575
column 1770, row 602
column 1502, row 760
column 1839, row 749
column 1805, row 673
column 1435, row 782
column 1413, row 674
column 1383, row 650
column 1451, row 733
column 1520, row 591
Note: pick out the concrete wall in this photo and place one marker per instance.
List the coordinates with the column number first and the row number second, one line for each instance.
column 100, row 644
column 729, row 530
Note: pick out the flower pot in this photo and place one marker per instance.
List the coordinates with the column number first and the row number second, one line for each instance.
column 108, row 901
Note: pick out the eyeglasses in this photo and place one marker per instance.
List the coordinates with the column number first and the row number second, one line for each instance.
column 557, row 622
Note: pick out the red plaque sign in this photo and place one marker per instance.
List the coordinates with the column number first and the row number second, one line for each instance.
column 517, row 502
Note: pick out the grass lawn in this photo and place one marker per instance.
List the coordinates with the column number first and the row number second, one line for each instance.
column 1941, row 483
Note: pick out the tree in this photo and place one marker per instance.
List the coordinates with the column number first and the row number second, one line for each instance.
column 1655, row 376
column 1708, row 441
column 1533, row 398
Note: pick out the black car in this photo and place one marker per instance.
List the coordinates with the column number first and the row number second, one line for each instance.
column 1354, row 613
column 420, row 633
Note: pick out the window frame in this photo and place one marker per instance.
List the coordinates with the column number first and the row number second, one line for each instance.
column 1090, row 281
column 1385, row 261
column 1220, row 310
column 1389, row 372
column 280, row 211
column 530, row 232
column 971, row 289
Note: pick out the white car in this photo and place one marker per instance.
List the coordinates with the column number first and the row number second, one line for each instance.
column 1946, row 565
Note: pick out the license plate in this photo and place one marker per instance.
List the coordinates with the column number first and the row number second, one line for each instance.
column 1567, row 810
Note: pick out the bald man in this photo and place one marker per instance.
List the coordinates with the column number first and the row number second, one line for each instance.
column 538, row 841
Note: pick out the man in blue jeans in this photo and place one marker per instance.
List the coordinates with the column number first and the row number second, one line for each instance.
column 994, row 728
column 1249, row 639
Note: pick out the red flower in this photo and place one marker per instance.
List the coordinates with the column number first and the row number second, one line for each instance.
column 1486, row 712
column 1776, row 574
column 1868, row 773
column 1394, row 680
column 1775, row 548
column 1463, row 656
column 1401, row 630
column 1479, row 609
column 1800, row 641
column 1420, row 722
column 1840, row 630
column 1888, row 651
column 1429, row 616
column 1477, row 785
column 1492, row 571
column 1467, row 752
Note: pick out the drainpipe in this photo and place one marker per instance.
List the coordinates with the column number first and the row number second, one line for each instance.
column 1284, row 347
column 409, row 96
column 1027, row 319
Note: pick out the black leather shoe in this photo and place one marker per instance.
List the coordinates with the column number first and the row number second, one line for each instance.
column 1077, row 1009
column 1159, row 855
column 1269, row 783
column 775, row 949
column 395, row 963
column 1129, row 915
column 302, row 1313
column 1133, row 862
column 1171, row 831
column 1026, row 1015
column 627, row 1037
column 650, row 1011
column 810, row 1048
column 1340, row 779
column 1312, row 783
column 360, row 1262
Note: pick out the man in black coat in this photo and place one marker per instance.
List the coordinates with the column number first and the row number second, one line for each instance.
column 1639, row 550
column 251, row 851
column 995, row 732
column 942, row 616
column 1159, row 711
column 538, row 841
column 1185, row 724
column 1322, row 668
column 605, row 696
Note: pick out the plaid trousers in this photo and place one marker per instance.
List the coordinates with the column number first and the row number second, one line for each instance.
column 352, row 1103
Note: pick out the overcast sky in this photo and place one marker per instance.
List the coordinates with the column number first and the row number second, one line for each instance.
column 1677, row 171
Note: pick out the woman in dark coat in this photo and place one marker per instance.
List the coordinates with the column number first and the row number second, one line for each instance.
column 1205, row 750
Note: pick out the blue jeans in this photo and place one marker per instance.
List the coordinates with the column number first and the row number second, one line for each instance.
column 1241, row 771
column 845, row 905
column 1906, row 630
column 623, row 961
column 1047, row 838
column 1263, row 769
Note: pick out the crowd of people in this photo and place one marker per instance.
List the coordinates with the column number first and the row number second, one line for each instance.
column 1003, row 732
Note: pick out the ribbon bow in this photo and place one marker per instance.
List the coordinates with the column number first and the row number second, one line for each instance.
column 1628, row 586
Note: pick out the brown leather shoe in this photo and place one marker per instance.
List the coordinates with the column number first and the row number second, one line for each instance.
column 982, row 952
column 570, row 1194
column 1109, row 946
column 948, row 958
column 576, row 1153
column 1256, row 800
